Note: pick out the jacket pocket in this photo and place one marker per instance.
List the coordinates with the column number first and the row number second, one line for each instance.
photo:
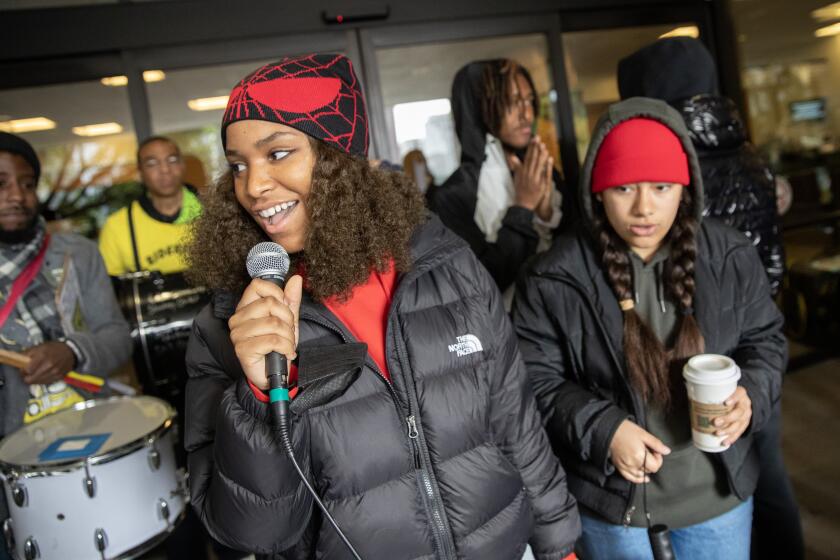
column 325, row 373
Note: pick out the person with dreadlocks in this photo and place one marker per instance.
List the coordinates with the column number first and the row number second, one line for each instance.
column 505, row 197
column 412, row 414
column 607, row 318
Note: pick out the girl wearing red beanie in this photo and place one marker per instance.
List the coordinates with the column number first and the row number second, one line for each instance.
column 411, row 414
column 608, row 318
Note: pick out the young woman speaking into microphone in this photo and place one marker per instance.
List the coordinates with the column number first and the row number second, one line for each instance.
column 426, row 445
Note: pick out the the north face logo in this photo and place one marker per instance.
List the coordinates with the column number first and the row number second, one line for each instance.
column 467, row 344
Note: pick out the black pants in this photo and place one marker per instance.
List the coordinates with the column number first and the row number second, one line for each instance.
column 777, row 530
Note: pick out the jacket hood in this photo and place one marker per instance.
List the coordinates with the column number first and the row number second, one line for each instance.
column 713, row 122
column 467, row 90
column 670, row 69
column 626, row 110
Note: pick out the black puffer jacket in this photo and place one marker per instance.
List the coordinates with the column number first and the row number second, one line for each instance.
column 455, row 201
column 447, row 461
column 740, row 189
column 570, row 330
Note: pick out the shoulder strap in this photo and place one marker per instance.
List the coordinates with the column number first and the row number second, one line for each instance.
column 23, row 280
column 133, row 237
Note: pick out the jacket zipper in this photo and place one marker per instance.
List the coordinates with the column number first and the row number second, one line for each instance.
column 630, row 509
column 438, row 525
column 442, row 534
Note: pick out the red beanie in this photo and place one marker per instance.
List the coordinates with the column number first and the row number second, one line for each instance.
column 639, row 150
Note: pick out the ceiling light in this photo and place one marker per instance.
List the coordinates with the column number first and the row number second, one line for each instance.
column 148, row 76
column 114, row 81
column 828, row 30
column 826, row 13
column 27, row 125
column 208, row 103
column 686, row 31
column 97, row 129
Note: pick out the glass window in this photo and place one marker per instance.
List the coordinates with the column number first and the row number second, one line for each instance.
column 84, row 136
column 592, row 63
column 188, row 105
column 417, row 82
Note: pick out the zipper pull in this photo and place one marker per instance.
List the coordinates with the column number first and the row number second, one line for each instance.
column 629, row 516
column 412, row 427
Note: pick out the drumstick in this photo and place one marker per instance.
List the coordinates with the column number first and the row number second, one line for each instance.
column 15, row 359
column 88, row 382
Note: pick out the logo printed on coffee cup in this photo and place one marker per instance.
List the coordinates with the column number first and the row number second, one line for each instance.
column 703, row 415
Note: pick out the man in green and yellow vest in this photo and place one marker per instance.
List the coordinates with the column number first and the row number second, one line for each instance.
column 152, row 232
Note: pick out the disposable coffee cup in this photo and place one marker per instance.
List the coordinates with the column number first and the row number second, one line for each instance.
column 710, row 379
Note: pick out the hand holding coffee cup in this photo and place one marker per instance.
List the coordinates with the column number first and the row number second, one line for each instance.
column 720, row 409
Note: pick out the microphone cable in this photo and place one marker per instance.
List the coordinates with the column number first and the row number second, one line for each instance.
column 659, row 535
column 278, row 395
column 269, row 261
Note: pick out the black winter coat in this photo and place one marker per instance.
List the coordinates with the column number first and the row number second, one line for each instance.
column 570, row 330
column 448, row 460
column 740, row 189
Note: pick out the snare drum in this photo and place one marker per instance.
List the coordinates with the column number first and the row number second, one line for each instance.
column 96, row 481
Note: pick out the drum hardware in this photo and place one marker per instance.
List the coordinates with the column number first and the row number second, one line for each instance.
column 154, row 459
column 30, row 549
column 9, row 534
column 163, row 509
column 101, row 541
column 19, row 494
column 89, row 482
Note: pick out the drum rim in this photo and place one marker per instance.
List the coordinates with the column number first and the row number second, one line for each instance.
column 20, row 470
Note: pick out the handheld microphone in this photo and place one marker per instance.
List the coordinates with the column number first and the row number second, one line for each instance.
column 270, row 261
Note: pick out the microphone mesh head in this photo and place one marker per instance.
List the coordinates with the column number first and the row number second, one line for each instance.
column 267, row 259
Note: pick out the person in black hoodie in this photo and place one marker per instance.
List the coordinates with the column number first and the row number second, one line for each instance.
column 504, row 199
column 411, row 414
column 606, row 319
column 740, row 191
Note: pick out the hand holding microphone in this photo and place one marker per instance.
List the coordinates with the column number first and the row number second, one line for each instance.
column 266, row 320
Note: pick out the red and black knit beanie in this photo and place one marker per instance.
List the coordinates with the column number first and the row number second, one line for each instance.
column 317, row 94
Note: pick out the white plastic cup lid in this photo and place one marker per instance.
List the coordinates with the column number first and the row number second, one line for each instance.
column 711, row 369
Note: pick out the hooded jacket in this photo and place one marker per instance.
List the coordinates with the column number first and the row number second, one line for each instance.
column 455, row 201
column 740, row 188
column 570, row 329
column 448, row 460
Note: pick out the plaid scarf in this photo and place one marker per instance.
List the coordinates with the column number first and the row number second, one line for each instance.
column 35, row 317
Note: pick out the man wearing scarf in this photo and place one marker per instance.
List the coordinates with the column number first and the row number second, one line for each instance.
column 56, row 303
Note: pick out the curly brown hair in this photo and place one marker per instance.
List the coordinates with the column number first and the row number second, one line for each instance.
column 653, row 368
column 360, row 219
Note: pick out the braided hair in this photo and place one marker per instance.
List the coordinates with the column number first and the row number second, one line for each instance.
column 651, row 367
